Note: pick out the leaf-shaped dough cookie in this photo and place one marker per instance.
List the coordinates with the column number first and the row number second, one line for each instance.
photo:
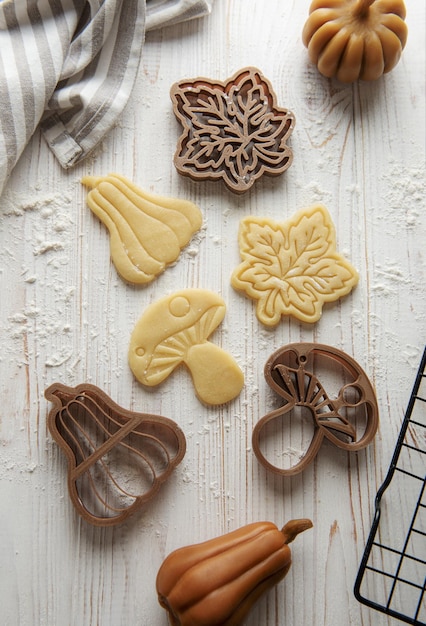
column 292, row 268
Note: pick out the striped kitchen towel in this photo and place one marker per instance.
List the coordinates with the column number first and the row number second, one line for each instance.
column 69, row 66
column 160, row 13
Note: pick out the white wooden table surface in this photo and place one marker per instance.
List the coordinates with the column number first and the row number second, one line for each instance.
column 67, row 316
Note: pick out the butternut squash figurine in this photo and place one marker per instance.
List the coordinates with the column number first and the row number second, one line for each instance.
column 355, row 39
column 215, row 583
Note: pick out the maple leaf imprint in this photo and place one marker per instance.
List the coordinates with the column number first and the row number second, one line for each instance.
column 232, row 131
column 292, row 268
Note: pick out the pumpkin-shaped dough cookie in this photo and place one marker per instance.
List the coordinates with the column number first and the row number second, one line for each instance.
column 147, row 231
column 355, row 39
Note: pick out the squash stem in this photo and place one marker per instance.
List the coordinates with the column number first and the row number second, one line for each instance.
column 361, row 8
column 91, row 181
column 294, row 527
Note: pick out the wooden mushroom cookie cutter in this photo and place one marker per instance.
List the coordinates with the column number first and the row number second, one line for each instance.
column 290, row 372
column 117, row 459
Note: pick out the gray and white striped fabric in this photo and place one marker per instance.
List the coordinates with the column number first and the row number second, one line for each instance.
column 69, row 66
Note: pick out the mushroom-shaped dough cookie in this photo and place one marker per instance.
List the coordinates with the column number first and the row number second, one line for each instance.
column 174, row 330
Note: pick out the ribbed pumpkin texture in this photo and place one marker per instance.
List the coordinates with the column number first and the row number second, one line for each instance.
column 217, row 582
column 355, row 39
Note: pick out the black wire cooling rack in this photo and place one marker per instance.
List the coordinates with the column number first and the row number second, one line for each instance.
column 392, row 573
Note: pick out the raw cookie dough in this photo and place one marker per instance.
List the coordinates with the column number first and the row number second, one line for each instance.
column 147, row 232
column 174, row 330
column 292, row 268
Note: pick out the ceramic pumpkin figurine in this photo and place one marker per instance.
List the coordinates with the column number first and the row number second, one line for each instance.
column 355, row 39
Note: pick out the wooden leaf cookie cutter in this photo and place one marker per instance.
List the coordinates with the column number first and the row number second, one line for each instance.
column 290, row 372
column 233, row 131
column 117, row 459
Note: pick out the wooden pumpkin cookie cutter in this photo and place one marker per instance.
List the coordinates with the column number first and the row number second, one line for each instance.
column 117, row 459
column 290, row 372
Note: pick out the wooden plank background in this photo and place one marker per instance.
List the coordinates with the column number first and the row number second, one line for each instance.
column 67, row 316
